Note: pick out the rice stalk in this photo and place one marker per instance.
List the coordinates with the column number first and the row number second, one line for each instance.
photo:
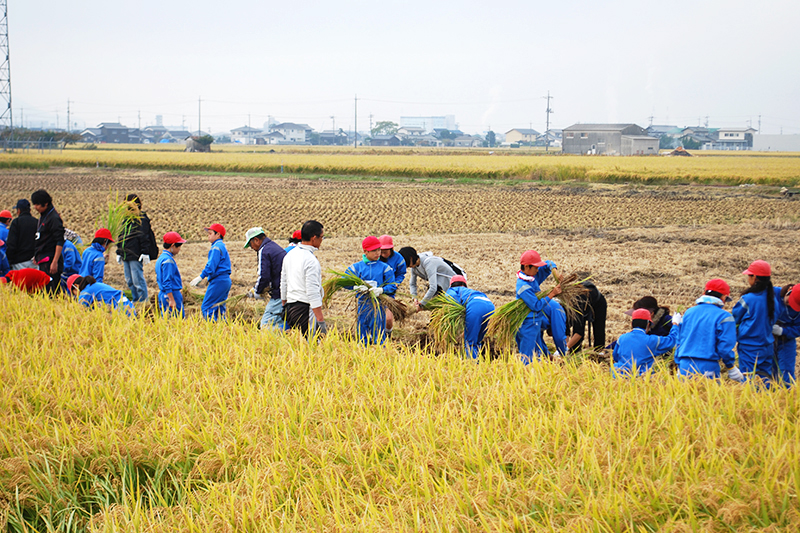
column 446, row 326
column 506, row 321
column 399, row 310
column 119, row 217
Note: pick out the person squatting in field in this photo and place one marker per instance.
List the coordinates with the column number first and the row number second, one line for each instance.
column 755, row 314
column 370, row 314
column 29, row 280
column 170, row 297
column 478, row 309
column 532, row 271
column 398, row 265
column 89, row 292
column 93, row 262
column 435, row 270
column 707, row 335
column 270, row 263
column 218, row 272
column 49, row 239
column 786, row 331
column 5, row 267
column 301, row 281
column 635, row 351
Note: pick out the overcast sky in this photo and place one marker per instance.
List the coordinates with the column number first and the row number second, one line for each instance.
column 487, row 63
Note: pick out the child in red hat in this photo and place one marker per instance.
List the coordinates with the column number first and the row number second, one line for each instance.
column 371, row 318
column 93, row 262
column 786, row 331
column 635, row 351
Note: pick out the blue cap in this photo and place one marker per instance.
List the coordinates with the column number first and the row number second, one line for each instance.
column 23, row 204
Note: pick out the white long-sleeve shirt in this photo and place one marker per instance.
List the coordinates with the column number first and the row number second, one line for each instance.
column 301, row 276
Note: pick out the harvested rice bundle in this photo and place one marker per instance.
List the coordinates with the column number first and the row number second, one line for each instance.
column 120, row 216
column 447, row 321
column 571, row 290
column 346, row 280
column 189, row 296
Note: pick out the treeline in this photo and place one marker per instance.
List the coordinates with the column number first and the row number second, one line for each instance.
column 23, row 134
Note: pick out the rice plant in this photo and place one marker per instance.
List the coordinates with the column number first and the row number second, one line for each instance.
column 119, row 217
column 446, row 326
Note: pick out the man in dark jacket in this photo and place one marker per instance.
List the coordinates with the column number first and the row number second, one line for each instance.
column 21, row 242
column 270, row 263
column 49, row 239
column 133, row 250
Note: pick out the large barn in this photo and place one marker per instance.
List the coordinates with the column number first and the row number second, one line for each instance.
column 607, row 139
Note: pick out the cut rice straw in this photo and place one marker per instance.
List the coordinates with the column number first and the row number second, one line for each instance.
column 347, row 280
column 447, row 321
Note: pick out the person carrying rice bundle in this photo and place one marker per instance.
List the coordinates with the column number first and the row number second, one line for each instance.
column 635, row 351
column 707, row 335
column 786, row 331
column 532, row 271
column 371, row 315
column 478, row 309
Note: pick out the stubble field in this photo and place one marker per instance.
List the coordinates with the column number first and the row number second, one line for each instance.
column 226, row 428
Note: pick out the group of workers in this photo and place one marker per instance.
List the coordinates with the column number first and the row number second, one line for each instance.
column 762, row 327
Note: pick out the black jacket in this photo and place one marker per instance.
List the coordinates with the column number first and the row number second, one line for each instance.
column 21, row 239
column 49, row 234
column 137, row 242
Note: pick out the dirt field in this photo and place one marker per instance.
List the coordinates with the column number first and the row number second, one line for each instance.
column 632, row 240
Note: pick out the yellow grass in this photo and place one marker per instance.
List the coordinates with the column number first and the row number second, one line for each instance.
column 776, row 170
column 191, row 426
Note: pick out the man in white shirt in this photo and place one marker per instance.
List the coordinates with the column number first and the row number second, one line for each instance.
column 301, row 280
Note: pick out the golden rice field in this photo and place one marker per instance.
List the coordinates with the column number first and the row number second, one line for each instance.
column 781, row 170
column 117, row 424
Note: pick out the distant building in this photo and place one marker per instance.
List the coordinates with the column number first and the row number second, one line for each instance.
column 411, row 131
column 608, row 139
column 293, row 133
column 521, row 135
column 468, row 141
column 385, row 140
column 246, row 135
column 445, row 122
column 111, row 132
column 733, row 139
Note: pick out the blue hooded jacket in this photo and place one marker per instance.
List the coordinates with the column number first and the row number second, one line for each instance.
column 219, row 262
column 94, row 262
column 753, row 325
column 707, row 332
column 638, row 348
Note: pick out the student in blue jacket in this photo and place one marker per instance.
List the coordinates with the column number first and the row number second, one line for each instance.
column 532, row 271
column 707, row 335
column 5, row 267
column 93, row 262
column 478, row 309
column 90, row 292
column 755, row 314
column 371, row 319
column 72, row 262
column 399, row 267
column 635, row 351
column 170, row 297
column 786, row 332
column 218, row 272
column 554, row 322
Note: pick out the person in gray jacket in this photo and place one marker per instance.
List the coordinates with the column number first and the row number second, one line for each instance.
column 435, row 270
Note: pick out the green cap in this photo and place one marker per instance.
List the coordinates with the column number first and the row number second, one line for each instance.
column 252, row 233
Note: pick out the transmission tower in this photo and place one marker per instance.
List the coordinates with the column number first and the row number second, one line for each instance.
column 6, row 121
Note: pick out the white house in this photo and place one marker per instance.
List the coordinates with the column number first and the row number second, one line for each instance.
column 246, row 135
column 292, row 133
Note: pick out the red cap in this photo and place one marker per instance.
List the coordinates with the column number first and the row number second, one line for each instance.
column 2, row 242
column 641, row 314
column 386, row 242
column 219, row 228
column 718, row 285
column 370, row 243
column 794, row 299
column 758, row 268
column 297, row 234
column 172, row 237
column 5, row 213
column 456, row 278
column 103, row 233
column 531, row 257
column 71, row 281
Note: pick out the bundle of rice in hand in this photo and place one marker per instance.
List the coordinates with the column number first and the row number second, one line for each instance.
column 447, row 321
column 507, row 319
column 347, row 280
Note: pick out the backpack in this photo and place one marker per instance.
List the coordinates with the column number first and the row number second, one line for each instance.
column 457, row 269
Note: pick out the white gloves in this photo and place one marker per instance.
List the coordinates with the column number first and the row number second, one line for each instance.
column 777, row 330
column 252, row 294
column 677, row 318
column 376, row 291
column 195, row 282
column 119, row 259
column 735, row 374
column 361, row 289
column 372, row 283
column 143, row 259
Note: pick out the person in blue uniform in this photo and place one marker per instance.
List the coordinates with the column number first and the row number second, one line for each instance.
column 294, row 240
column 72, row 262
column 89, row 292
column 478, row 308
column 554, row 322
column 399, row 267
column 707, row 335
column 755, row 314
column 786, row 331
column 532, row 272
column 5, row 267
column 93, row 262
column 635, row 351
column 218, row 273
column 371, row 318
column 170, row 298
column 5, row 221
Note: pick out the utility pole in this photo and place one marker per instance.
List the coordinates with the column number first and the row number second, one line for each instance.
column 547, row 131
column 706, row 121
column 67, row 115
column 334, row 129
column 355, row 128
column 651, row 117
column 370, row 123
column 759, row 123
column 6, row 118
column 139, row 114
column 199, row 116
